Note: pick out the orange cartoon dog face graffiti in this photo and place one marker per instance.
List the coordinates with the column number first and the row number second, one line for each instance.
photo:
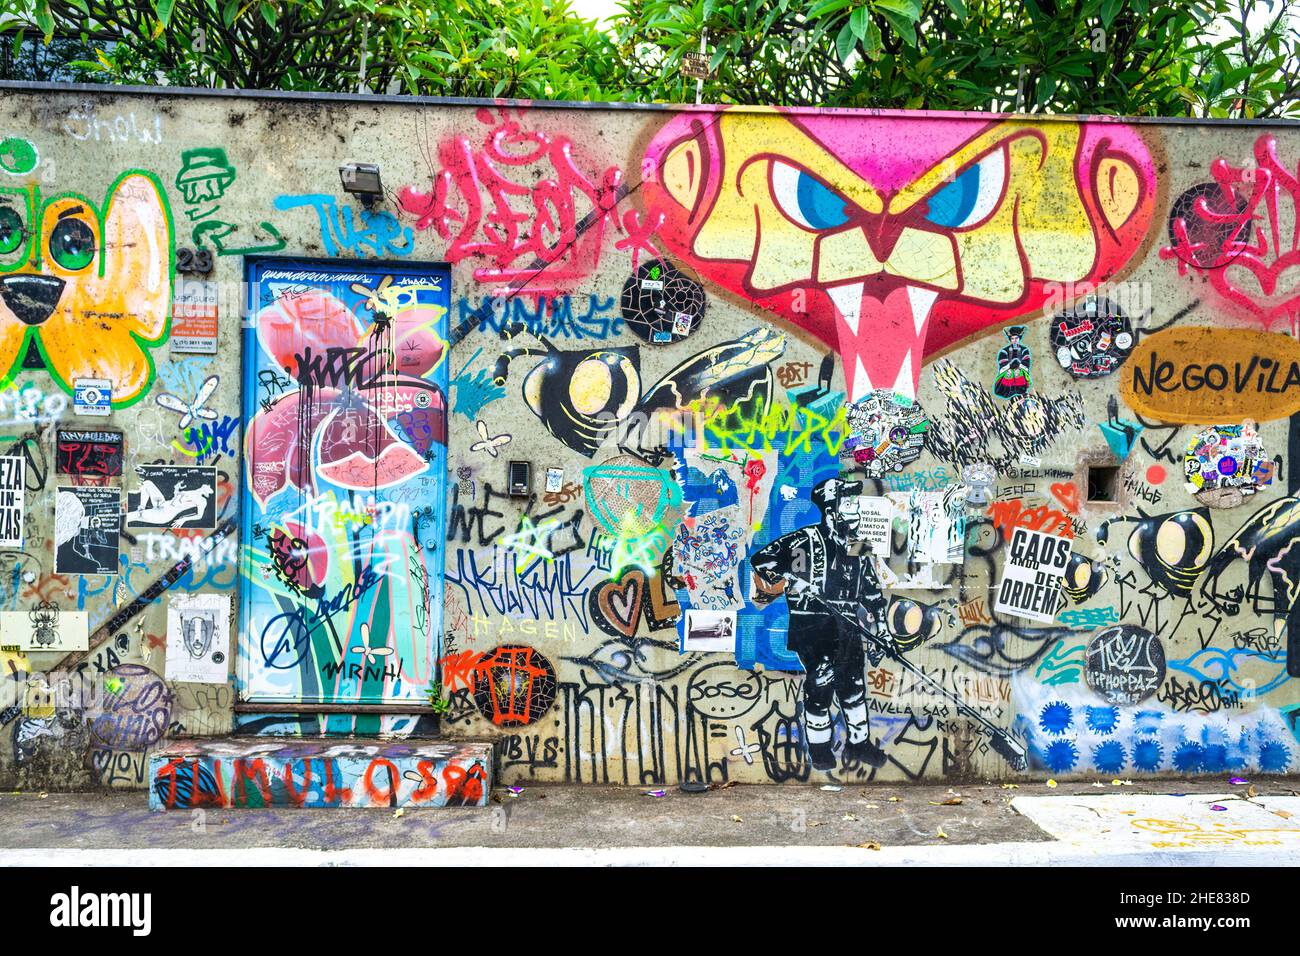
column 88, row 286
column 892, row 238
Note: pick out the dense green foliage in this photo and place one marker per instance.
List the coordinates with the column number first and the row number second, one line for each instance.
column 1134, row 57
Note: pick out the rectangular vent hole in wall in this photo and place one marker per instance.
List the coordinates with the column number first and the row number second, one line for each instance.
column 1103, row 483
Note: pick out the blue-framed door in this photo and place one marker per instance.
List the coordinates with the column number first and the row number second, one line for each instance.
column 344, row 491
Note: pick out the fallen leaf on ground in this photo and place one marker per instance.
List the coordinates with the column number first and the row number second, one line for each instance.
column 940, row 834
column 831, row 788
column 869, row 845
column 399, row 812
column 848, row 816
column 736, row 819
column 1052, row 784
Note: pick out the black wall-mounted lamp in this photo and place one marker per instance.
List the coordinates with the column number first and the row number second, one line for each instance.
column 362, row 180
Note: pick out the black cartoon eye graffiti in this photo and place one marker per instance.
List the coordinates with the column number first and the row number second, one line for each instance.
column 1173, row 548
column 1083, row 577
column 12, row 234
column 1267, row 543
column 912, row 623
column 579, row 396
column 72, row 244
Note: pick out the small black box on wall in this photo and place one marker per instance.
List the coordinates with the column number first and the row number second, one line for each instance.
column 521, row 479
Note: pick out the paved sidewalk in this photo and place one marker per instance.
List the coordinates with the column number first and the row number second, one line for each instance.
column 1151, row 822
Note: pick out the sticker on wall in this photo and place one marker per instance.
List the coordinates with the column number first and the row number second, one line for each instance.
column 194, row 316
column 87, row 453
column 661, row 305
column 886, row 432
column 1093, row 338
column 87, row 527
column 45, row 627
column 1126, row 664
column 876, row 525
column 709, row 632
column 1031, row 578
column 1225, row 464
column 13, row 486
column 92, row 396
column 198, row 639
column 554, row 480
column 173, row 496
column 1014, row 362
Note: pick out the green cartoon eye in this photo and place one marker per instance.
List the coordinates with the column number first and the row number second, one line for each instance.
column 72, row 244
column 11, row 230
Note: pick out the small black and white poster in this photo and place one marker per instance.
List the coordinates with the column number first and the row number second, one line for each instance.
column 173, row 496
column 87, row 525
column 198, row 639
column 709, row 631
column 13, row 482
column 1031, row 578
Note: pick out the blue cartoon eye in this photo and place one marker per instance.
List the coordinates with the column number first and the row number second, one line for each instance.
column 806, row 200
column 969, row 198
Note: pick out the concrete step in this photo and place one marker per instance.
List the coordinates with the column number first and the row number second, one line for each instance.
column 254, row 772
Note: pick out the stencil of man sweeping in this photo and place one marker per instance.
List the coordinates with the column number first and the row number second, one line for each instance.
column 836, row 620
column 827, row 588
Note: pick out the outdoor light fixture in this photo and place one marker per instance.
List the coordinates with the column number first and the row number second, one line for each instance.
column 362, row 180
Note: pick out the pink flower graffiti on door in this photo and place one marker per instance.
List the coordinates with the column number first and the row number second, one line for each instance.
column 894, row 238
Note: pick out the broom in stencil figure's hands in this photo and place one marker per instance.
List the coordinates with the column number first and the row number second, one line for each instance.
column 836, row 614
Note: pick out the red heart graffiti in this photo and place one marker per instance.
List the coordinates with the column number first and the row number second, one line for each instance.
column 1067, row 494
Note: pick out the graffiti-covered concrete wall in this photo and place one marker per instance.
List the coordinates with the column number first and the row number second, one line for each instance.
column 651, row 444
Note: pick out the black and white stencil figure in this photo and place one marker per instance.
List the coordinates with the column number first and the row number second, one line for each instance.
column 827, row 587
column 87, row 526
column 45, row 625
column 173, row 497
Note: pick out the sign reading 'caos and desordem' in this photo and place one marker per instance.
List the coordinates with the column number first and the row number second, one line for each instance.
column 1205, row 375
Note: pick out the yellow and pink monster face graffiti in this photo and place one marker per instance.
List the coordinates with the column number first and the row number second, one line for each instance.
column 894, row 238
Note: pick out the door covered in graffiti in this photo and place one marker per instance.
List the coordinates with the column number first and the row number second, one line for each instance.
column 345, row 465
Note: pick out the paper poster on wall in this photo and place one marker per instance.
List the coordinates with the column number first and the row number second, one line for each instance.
column 87, row 526
column 198, row 639
column 194, row 316
column 936, row 525
column 709, row 631
column 877, row 523
column 1031, row 578
column 45, row 627
column 13, row 486
column 87, row 453
column 707, row 552
column 173, row 496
